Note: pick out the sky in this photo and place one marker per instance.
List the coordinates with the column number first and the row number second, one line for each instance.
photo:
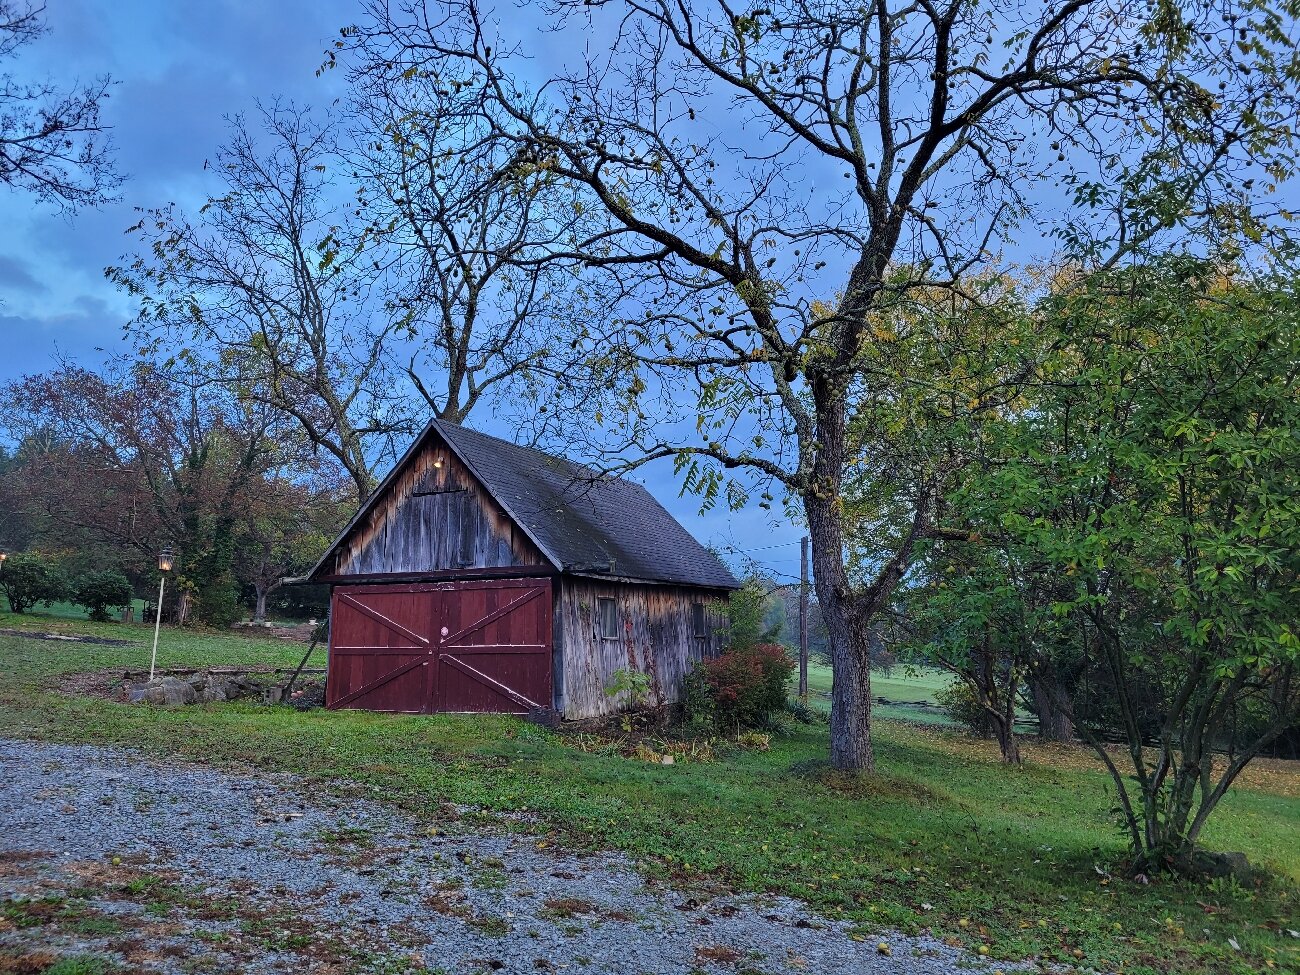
column 182, row 68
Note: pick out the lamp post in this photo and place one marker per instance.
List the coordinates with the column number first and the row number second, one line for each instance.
column 3, row 556
column 164, row 566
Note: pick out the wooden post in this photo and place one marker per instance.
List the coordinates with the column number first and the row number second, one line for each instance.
column 153, row 658
column 301, row 664
column 803, row 619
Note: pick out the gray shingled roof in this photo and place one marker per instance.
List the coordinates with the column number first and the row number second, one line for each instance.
column 605, row 526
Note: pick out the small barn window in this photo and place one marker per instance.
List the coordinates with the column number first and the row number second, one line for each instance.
column 699, row 628
column 607, row 618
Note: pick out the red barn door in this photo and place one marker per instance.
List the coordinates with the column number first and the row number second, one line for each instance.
column 464, row 646
column 382, row 656
column 494, row 646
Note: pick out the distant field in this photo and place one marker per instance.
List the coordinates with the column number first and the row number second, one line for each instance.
column 905, row 688
column 71, row 611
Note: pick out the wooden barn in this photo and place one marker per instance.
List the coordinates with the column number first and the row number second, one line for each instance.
column 485, row 576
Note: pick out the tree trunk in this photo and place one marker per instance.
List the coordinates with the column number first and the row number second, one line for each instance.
column 1007, row 741
column 851, row 711
column 847, row 632
column 998, row 699
column 259, row 614
column 1051, row 704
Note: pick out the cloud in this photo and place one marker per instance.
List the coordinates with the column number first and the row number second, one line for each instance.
column 16, row 275
column 34, row 343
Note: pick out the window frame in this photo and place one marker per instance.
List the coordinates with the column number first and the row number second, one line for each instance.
column 612, row 603
column 699, row 622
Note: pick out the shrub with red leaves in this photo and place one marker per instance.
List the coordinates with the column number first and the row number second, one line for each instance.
column 743, row 687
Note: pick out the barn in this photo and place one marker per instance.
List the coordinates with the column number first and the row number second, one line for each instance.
column 485, row 576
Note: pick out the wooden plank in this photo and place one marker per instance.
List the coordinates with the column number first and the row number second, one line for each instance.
column 435, row 518
column 467, row 574
column 364, row 689
column 655, row 639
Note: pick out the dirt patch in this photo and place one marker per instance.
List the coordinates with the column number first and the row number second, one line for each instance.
column 67, row 638
column 297, row 633
column 565, row 907
column 31, row 963
column 306, row 695
column 718, row 954
column 105, row 684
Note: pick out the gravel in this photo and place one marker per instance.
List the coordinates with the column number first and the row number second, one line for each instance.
column 171, row 868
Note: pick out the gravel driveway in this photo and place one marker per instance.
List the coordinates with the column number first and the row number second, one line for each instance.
column 166, row 868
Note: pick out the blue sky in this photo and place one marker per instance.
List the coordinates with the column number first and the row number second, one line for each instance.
column 182, row 68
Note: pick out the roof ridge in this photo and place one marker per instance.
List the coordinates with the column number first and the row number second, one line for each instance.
column 598, row 476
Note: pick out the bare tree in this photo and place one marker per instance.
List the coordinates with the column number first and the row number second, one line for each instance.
column 458, row 238
column 53, row 142
column 270, row 283
column 748, row 163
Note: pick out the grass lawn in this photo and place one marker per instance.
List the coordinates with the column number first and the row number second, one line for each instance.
column 943, row 837
column 907, row 689
column 72, row 611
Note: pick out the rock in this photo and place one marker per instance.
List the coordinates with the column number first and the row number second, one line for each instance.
column 201, row 686
column 163, row 690
column 1233, row 865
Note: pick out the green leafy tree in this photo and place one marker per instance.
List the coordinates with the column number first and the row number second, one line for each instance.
column 286, row 524
column 970, row 621
column 748, row 611
column 29, row 578
column 1152, row 475
column 100, row 591
column 147, row 454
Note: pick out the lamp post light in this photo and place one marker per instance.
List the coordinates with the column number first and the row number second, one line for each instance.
column 164, row 566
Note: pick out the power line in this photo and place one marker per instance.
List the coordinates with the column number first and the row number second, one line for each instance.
column 761, row 548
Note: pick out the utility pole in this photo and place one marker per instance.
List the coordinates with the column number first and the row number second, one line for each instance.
column 803, row 619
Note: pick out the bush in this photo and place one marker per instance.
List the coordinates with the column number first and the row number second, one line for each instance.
column 801, row 712
column 741, row 688
column 959, row 700
column 28, row 579
column 97, row 591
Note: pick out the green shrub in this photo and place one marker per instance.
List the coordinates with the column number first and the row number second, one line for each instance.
column 98, row 591
column 741, row 688
column 959, row 700
column 634, row 683
column 29, row 578
column 801, row 712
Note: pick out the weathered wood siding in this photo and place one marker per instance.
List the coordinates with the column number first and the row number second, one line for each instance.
column 654, row 637
column 435, row 516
